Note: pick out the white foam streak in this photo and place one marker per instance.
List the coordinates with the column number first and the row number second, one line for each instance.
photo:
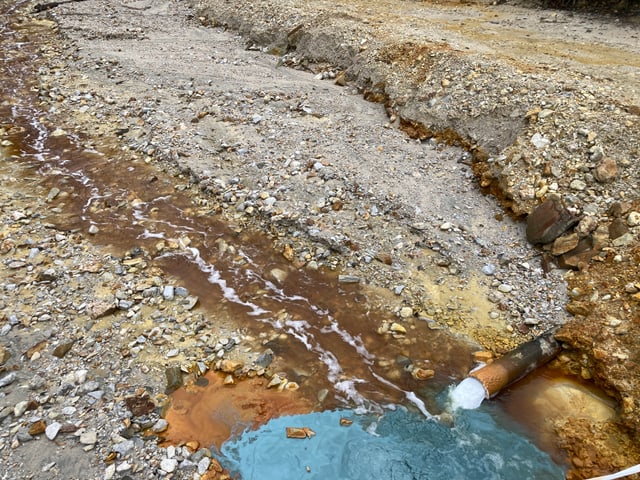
column 412, row 397
column 214, row 277
column 355, row 342
column 345, row 386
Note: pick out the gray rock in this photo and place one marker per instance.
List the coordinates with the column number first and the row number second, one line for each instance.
column 265, row 358
column 181, row 292
column 124, row 447
column 348, row 279
column 160, row 426
column 539, row 141
column 203, row 465
column 489, row 269
column 23, row 435
column 8, row 379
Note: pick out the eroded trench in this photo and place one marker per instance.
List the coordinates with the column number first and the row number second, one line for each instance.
column 321, row 330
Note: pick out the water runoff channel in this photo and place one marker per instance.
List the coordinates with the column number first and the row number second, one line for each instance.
column 376, row 420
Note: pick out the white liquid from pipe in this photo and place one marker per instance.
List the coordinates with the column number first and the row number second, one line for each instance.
column 468, row 394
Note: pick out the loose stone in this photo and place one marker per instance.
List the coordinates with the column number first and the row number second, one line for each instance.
column 20, row 408
column 169, row 464
column 160, row 426
column 606, row 171
column 8, row 379
column 89, row 437
column 489, row 269
column 633, row 219
column 348, row 279
column 548, row 221
column 397, row 328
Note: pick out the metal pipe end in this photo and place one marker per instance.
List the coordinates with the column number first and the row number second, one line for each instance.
column 493, row 377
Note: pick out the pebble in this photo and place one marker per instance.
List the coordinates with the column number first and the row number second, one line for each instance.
column 89, row 437
column 203, row 465
column 168, row 292
column 160, row 426
column 174, row 352
column 397, row 328
column 169, row 464
column 52, row 430
column 539, row 141
column 20, row 408
column 348, row 279
column 633, row 219
column 489, row 269
column 505, row 288
column 8, row 379
column 109, row 472
column 578, row 185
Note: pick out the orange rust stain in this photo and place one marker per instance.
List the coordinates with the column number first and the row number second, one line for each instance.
column 213, row 413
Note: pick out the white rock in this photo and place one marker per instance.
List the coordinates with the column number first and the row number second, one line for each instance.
column 68, row 411
column 20, row 408
column 203, row 465
column 633, row 220
column 505, row 288
column 7, row 379
column 109, row 472
column 80, row 376
column 171, row 451
column 169, row 464
column 52, row 430
column 539, row 141
column 90, row 437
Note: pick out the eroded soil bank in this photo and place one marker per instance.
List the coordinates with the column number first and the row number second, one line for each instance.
column 526, row 104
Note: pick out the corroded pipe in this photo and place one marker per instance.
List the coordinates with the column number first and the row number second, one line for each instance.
column 517, row 363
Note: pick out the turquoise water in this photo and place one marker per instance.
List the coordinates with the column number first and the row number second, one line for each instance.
column 399, row 445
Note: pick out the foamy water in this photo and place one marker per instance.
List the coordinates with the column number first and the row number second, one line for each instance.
column 468, row 394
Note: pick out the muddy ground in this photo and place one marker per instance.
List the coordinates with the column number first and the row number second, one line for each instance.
column 475, row 114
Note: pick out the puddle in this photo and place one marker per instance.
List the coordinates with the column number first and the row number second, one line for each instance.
column 325, row 330
column 398, row 445
column 544, row 397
